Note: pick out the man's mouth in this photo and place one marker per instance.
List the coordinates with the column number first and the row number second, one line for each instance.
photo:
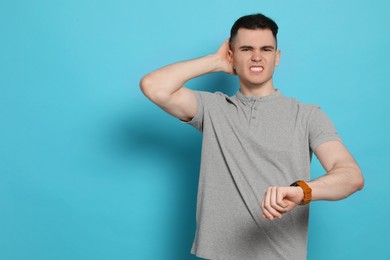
column 256, row 68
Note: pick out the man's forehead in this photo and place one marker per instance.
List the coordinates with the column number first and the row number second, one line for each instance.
column 254, row 37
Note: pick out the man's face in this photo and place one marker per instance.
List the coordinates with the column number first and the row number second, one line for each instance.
column 254, row 56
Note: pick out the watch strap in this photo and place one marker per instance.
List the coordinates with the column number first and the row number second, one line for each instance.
column 306, row 191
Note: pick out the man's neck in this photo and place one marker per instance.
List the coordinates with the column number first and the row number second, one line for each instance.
column 258, row 91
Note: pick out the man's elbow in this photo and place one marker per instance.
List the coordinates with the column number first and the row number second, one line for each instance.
column 149, row 89
column 145, row 85
column 358, row 180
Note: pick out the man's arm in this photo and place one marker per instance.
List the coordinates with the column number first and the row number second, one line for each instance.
column 165, row 86
column 342, row 179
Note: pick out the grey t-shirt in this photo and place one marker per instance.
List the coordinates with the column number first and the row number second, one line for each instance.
column 249, row 144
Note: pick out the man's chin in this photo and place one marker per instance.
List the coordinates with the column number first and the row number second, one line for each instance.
column 255, row 84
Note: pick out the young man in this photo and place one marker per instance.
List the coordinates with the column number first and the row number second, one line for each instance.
column 255, row 145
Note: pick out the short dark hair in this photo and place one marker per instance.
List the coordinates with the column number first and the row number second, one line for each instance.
column 253, row 22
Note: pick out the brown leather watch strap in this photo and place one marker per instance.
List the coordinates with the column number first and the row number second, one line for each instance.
column 306, row 191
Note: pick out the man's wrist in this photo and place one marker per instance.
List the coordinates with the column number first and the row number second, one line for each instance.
column 307, row 196
column 219, row 63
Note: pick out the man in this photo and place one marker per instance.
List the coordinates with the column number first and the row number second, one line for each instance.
column 255, row 145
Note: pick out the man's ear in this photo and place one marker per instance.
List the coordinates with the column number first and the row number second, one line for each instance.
column 230, row 57
column 277, row 58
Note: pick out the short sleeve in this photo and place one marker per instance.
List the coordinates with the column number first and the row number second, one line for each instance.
column 206, row 101
column 321, row 129
column 197, row 120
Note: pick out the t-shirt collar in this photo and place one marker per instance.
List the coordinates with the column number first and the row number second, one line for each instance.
column 245, row 99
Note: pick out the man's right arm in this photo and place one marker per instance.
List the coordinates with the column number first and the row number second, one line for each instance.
column 165, row 86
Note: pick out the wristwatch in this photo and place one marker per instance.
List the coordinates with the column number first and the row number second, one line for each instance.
column 306, row 191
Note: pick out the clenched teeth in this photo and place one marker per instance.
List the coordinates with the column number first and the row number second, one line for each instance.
column 256, row 69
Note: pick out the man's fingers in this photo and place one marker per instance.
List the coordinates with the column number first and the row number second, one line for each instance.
column 270, row 204
column 277, row 199
column 266, row 214
column 277, row 196
column 280, row 201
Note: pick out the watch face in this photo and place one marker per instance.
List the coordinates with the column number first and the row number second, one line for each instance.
column 294, row 184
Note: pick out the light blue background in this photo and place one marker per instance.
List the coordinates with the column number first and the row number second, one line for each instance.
column 90, row 169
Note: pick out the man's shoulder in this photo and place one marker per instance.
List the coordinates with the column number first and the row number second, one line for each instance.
column 303, row 106
column 210, row 94
column 214, row 97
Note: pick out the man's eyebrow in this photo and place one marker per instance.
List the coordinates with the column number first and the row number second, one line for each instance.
column 246, row 47
column 262, row 47
column 268, row 47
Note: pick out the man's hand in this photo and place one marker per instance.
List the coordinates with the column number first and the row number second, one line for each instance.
column 280, row 200
column 225, row 57
column 165, row 86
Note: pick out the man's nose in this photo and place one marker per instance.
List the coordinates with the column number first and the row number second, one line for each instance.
column 256, row 56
